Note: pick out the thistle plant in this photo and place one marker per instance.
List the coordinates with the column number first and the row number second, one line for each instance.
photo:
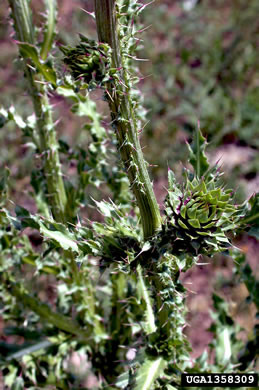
column 119, row 300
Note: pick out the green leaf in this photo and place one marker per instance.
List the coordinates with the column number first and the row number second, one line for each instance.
column 171, row 179
column 194, row 223
column 28, row 50
column 29, row 349
column 182, row 224
column 150, row 326
column 31, row 52
column 63, row 237
column 172, row 184
column 122, row 380
column 84, row 106
column 197, row 157
column 25, row 219
column 19, row 384
column 149, row 371
column 11, row 377
column 67, row 91
column 88, row 108
column 223, row 348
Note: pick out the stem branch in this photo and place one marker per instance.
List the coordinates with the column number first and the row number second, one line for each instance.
column 123, row 115
column 46, row 129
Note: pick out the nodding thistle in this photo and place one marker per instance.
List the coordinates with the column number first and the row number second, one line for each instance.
column 199, row 215
column 89, row 61
column 200, row 212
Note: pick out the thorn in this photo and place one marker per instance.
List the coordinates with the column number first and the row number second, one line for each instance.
column 137, row 59
column 109, row 95
column 143, row 29
column 144, row 6
column 92, row 14
column 34, row 70
column 161, row 308
column 16, row 41
column 165, row 324
column 57, row 121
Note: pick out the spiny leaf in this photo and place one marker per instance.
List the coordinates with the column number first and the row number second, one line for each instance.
column 31, row 52
column 149, row 324
column 63, row 237
column 106, row 209
column 149, row 371
column 223, row 348
column 49, row 228
column 84, row 106
column 198, row 158
column 123, row 380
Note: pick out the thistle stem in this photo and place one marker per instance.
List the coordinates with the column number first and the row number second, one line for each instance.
column 60, row 321
column 46, row 130
column 123, row 115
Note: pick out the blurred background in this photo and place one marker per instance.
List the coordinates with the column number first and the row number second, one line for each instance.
column 202, row 66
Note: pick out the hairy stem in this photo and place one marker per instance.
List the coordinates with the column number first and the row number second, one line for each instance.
column 48, row 144
column 124, row 118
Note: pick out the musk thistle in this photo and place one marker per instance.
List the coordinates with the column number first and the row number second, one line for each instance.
column 199, row 212
column 199, row 216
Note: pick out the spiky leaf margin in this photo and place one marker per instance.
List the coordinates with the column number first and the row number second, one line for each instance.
column 147, row 374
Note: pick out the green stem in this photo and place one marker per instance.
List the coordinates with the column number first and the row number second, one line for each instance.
column 48, row 143
column 60, row 321
column 165, row 324
column 123, row 115
column 85, row 297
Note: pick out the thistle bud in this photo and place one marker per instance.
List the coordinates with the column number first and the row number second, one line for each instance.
column 199, row 214
column 89, row 61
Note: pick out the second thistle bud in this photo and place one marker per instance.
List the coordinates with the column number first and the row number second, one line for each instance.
column 200, row 214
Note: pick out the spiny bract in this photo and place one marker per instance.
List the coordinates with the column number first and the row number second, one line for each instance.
column 89, row 61
column 199, row 215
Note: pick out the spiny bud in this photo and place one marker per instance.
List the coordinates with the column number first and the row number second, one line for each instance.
column 199, row 215
column 89, row 61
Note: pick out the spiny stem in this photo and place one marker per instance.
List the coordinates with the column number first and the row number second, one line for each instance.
column 123, row 115
column 47, row 135
column 46, row 129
